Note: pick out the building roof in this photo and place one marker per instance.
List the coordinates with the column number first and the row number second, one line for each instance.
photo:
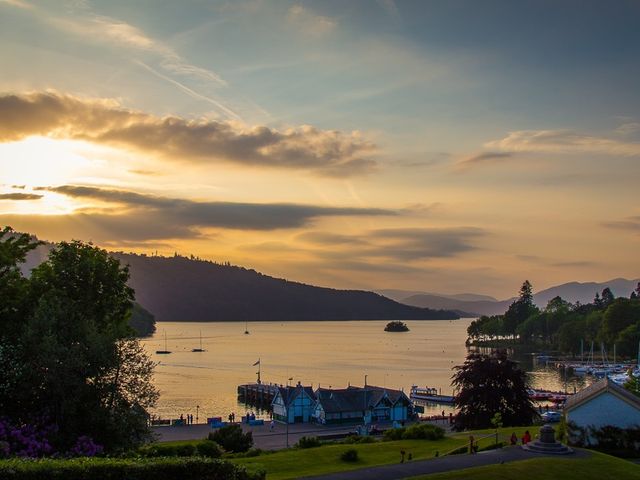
column 289, row 393
column 604, row 385
column 357, row 398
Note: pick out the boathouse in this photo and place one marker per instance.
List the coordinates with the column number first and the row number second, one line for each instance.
column 367, row 404
column 602, row 404
column 293, row 404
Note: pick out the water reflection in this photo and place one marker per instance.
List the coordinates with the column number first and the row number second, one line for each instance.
column 327, row 354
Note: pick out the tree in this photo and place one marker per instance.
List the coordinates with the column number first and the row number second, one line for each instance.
column 14, row 248
column 521, row 309
column 620, row 314
column 490, row 384
column 607, row 297
column 80, row 369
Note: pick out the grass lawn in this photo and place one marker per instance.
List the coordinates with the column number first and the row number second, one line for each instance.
column 597, row 467
column 294, row 463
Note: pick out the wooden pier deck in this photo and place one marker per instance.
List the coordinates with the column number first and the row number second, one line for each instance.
column 258, row 394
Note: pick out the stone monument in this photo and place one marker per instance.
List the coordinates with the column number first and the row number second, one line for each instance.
column 547, row 443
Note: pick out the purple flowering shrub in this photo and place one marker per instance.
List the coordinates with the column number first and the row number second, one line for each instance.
column 85, row 447
column 33, row 441
column 25, row 440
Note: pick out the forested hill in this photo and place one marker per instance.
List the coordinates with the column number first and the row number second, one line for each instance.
column 181, row 289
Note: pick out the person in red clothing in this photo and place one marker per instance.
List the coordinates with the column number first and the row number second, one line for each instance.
column 526, row 438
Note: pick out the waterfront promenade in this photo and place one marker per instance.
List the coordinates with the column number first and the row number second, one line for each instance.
column 263, row 436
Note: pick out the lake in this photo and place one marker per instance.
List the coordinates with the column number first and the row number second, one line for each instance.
column 327, row 353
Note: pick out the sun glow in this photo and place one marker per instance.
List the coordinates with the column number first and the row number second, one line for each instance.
column 42, row 161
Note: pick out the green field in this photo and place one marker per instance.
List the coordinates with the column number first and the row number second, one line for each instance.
column 294, row 463
column 596, row 467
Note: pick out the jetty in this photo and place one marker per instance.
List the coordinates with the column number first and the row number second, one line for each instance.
column 258, row 394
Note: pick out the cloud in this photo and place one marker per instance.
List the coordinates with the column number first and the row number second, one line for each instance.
column 390, row 7
column 421, row 243
column 17, row 3
column 395, row 244
column 482, row 159
column 19, row 196
column 100, row 227
column 310, row 22
column 575, row 264
column 331, row 239
column 136, row 45
column 324, row 152
column 631, row 224
column 191, row 216
column 106, row 29
column 563, row 141
column 628, row 129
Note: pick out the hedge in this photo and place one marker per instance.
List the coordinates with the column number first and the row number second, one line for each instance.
column 124, row 469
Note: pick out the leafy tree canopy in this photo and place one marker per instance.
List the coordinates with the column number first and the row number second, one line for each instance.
column 491, row 384
column 67, row 352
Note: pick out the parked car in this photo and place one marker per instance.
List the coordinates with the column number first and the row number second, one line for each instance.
column 550, row 417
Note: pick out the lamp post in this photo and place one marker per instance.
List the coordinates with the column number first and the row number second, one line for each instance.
column 197, row 411
column 286, row 408
column 364, row 412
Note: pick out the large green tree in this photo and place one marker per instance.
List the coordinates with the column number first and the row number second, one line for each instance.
column 490, row 384
column 79, row 364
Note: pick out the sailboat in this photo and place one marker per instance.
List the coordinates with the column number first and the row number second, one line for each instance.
column 199, row 349
column 166, row 350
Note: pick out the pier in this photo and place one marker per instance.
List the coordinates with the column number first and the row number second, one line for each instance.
column 257, row 394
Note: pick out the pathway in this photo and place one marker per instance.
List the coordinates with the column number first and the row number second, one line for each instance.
column 263, row 436
column 442, row 464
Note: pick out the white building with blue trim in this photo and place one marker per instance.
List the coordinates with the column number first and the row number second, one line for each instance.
column 603, row 404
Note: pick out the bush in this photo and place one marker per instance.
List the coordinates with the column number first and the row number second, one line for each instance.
column 232, row 438
column 209, row 448
column 308, row 442
column 423, row 431
column 350, row 455
column 394, row 434
column 253, row 452
column 204, row 448
column 185, row 450
column 125, row 469
column 358, row 439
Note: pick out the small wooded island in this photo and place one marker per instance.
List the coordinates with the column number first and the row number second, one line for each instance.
column 396, row 326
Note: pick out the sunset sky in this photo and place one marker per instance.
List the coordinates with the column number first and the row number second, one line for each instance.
column 444, row 146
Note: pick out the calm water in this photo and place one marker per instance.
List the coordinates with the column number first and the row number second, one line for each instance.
column 327, row 353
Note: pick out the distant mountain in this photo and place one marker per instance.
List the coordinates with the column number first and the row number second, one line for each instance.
column 572, row 292
column 472, row 308
column 584, row 292
column 181, row 289
column 400, row 295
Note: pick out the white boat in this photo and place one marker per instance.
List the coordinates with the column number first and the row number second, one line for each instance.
column 429, row 394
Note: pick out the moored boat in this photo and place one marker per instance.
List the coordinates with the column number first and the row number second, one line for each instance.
column 430, row 394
